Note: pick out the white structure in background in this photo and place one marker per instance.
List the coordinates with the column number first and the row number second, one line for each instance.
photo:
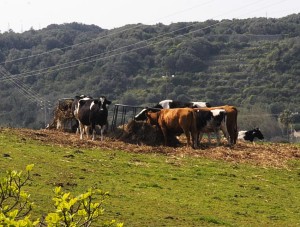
column 295, row 136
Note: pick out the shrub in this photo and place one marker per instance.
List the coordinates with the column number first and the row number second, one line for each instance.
column 15, row 206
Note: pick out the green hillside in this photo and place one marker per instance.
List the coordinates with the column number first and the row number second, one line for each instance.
column 251, row 63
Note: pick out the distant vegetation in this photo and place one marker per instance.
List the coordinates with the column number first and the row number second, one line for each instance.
column 250, row 63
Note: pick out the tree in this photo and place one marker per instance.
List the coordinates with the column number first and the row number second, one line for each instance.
column 286, row 118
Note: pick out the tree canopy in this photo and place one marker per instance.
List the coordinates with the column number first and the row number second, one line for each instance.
column 237, row 62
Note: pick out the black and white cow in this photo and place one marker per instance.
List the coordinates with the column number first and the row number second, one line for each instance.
column 250, row 135
column 169, row 104
column 92, row 112
column 75, row 106
column 211, row 121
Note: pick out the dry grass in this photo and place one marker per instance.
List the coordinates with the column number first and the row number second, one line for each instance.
column 138, row 140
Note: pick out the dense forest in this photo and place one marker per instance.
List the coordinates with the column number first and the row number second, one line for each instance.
column 253, row 64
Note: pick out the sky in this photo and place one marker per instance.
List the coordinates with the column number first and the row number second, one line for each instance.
column 22, row 15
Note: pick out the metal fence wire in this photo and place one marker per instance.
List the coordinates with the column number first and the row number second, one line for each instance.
column 122, row 114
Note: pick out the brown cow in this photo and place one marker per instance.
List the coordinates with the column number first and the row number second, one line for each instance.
column 176, row 121
column 231, row 121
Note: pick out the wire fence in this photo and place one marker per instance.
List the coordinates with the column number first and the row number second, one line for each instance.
column 122, row 114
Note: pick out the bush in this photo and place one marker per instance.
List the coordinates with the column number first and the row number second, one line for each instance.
column 15, row 206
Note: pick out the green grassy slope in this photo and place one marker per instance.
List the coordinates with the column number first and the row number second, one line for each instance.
column 158, row 190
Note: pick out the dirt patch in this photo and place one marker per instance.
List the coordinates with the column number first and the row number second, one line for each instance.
column 266, row 154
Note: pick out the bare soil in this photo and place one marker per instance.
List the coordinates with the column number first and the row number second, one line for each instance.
column 261, row 154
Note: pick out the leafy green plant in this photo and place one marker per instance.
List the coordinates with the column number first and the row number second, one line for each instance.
column 77, row 211
column 80, row 210
column 14, row 202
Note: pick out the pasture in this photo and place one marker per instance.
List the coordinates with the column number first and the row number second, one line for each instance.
column 248, row 185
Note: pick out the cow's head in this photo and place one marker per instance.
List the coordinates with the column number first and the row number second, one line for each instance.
column 257, row 133
column 100, row 104
column 250, row 135
column 152, row 117
column 141, row 116
column 104, row 102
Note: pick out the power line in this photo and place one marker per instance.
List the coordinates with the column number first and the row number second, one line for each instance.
column 25, row 91
column 98, row 38
column 123, row 30
column 65, row 65
column 22, row 88
column 62, row 66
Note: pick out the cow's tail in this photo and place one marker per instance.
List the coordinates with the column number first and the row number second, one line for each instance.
column 235, row 125
column 193, row 129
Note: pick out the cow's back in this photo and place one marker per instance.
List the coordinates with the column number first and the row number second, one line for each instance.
column 176, row 119
column 84, row 111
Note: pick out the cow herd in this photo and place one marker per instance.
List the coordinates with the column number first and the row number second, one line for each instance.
column 170, row 117
column 194, row 119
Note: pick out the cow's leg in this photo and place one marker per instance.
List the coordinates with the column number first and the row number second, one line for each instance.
column 93, row 131
column 87, row 131
column 102, row 129
column 76, row 119
column 225, row 132
column 81, row 129
column 223, row 127
column 188, row 137
column 200, row 135
column 93, row 134
column 194, row 139
column 164, row 131
column 77, row 131
column 209, row 138
column 233, row 134
column 217, row 133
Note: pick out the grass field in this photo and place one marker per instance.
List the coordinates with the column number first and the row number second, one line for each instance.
column 159, row 186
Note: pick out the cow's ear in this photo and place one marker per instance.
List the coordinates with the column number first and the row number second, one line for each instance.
column 96, row 101
column 108, row 102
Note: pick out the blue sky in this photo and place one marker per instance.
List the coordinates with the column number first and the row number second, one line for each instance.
column 21, row 15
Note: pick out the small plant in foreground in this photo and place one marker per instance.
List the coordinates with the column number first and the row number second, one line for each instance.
column 15, row 206
column 14, row 202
